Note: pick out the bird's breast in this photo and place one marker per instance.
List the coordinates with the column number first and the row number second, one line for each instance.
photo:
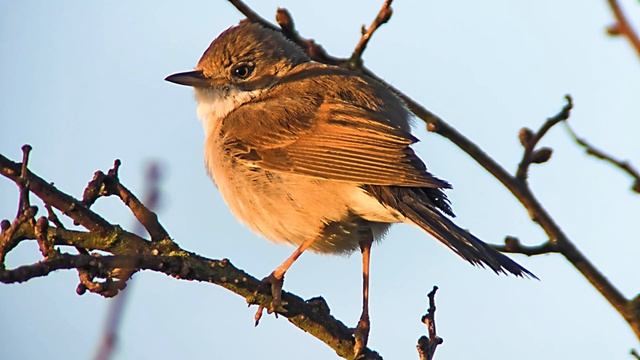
column 291, row 208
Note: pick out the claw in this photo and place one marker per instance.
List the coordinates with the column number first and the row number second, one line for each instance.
column 258, row 315
column 277, row 305
column 276, row 290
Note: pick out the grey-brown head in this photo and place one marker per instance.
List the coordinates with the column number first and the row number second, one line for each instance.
column 247, row 56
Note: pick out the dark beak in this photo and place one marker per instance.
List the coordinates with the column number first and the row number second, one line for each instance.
column 190, row 78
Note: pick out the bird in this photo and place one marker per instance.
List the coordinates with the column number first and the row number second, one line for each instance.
column 317, row 156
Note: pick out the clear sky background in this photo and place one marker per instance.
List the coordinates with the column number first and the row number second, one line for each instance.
column 82, row 82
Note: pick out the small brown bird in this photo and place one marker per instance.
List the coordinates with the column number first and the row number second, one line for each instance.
column 316, row 156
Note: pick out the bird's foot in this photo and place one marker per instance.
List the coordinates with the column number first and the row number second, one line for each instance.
column 277, row 305
column 361, row 335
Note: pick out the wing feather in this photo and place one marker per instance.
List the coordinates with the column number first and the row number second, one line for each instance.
column 323, row 137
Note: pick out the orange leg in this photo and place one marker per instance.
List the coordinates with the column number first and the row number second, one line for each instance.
column 276, row 278
column 361, row 333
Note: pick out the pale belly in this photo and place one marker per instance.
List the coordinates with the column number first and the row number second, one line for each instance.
column 291, row 208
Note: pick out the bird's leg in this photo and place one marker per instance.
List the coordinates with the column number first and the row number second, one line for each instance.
column 361, row 333
column 276, row 279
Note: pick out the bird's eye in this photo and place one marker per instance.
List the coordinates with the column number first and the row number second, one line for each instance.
column 242, row 70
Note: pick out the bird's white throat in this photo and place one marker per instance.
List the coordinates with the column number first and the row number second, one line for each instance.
column 214, row 105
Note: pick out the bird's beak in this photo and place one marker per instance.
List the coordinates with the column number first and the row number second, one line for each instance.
column 190, row 78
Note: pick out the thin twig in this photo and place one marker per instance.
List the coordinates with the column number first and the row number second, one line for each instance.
column 513, row 245
column 23, row 185
column 116, row 309
column 8, row 240
column 51, row 215
column 383, row 16
column 623, row 26
column 108, row 184
column 427, row 344
column 44, row 243
column 250, row 14
column 54, row 197
column 315, row 51
column 529, row 142
column 623, row 165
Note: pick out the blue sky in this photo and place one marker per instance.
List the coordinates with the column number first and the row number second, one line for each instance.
column 82, row 82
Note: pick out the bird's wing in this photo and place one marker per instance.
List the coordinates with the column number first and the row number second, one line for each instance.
column 328, row 139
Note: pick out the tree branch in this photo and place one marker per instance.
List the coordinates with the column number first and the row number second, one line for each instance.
column 622, row 26
column 383, row 16
column 623, row 165
column 529, row 140
column 133, row 253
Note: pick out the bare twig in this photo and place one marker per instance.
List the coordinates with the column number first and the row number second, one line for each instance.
column 55, row 198
column 23, row 184
column 51, row 215
column 107, row 345
column 8, row 238
column 427, row 344
column 44, row 242
column 250, row 14
column 623, row 27
column 109, row 184
column 513, row 245
column 595, row 152
column 529, row 140
column 383, row 16
column 315, row 51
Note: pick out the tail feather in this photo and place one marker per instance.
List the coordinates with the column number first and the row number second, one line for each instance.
column 417, row 205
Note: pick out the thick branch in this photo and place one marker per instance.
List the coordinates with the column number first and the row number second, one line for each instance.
column 312, row 316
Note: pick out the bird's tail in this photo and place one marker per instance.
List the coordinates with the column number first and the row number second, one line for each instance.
column 424, row 207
